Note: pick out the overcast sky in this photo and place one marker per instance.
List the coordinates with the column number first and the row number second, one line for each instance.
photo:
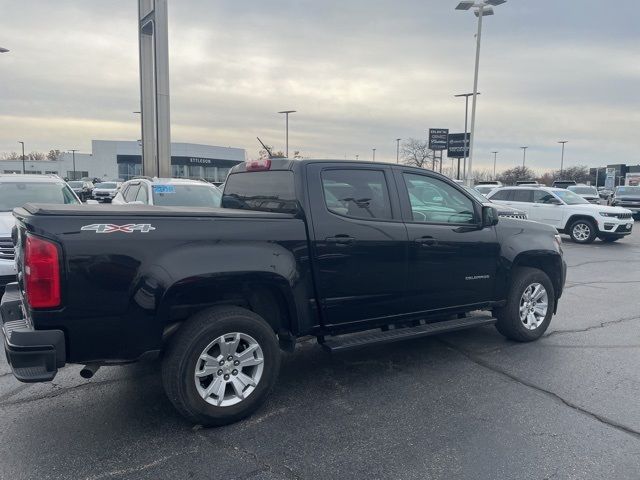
column 360, row 73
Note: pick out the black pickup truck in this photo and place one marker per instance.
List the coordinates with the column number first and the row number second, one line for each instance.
column 352, row 253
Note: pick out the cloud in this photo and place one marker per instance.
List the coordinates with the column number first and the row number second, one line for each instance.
column 359, row 73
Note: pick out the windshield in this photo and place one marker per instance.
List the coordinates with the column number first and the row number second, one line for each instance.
column 106, row 185
column 628, row 191
column 583, row 190
column 75, row 184
column 16, row 194
column 570, row 198
column 186, row 195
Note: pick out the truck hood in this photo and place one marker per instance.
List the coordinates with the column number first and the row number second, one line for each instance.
column 6, row 224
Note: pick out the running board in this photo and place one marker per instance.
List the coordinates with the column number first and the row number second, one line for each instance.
column 378, row 337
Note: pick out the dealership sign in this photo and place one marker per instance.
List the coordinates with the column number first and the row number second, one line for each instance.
column 456, row 146
column 438, row 138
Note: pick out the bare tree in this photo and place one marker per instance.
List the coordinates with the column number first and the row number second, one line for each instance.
column 509, row 177
column 579, row 174
column 416, row 153
column 54, row 154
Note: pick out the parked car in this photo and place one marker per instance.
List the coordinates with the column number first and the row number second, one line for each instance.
column 563, row 183
column 15, row 191
column 503, row 210
column 105, row 191
column 568, row 212
column 82, row 188
column 627, row 197
column 353, row 253
column 168, row 192
column 527, row 182
column 590, row 194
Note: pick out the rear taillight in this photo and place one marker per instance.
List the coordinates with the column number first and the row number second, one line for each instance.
column 258, row 165
column 41, row 273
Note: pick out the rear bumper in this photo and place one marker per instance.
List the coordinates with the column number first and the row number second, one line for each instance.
column 34, row 355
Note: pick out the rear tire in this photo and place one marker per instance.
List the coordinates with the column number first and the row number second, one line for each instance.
column 510, row 321
column 203, row 373
column 583, row 231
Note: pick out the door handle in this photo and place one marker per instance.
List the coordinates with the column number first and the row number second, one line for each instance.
column 340, row 240
column 426, row 241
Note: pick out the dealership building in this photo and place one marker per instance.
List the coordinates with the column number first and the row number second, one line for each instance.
column 111, row 160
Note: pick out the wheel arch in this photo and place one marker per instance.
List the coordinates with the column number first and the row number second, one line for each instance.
column 578, row 216
column 549, row 263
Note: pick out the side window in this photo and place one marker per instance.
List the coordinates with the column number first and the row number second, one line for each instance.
column 142, row 194
column 525, row 196
column 540, row 196
column 435, row 201
column 357, row 193
column 502, row 195
column 132, row 192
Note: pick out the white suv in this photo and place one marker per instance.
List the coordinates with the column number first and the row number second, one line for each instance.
column 168, row 192
column 568, row 212
column 15, row 191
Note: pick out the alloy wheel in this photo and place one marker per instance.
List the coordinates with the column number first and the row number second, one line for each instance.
column 534, row 304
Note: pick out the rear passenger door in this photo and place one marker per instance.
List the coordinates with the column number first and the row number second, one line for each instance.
column 359, row 243
column 522, row 199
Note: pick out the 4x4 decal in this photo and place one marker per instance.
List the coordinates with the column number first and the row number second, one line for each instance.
column 111, row 228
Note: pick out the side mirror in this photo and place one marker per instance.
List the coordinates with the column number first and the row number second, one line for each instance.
column 93, row 202
column 555, row 201
column 489, row 216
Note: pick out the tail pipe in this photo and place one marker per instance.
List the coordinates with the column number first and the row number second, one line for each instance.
column 89, row 370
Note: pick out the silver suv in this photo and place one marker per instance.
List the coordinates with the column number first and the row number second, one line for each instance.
column 15, row 191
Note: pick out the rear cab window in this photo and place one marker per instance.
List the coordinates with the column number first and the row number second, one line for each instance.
column 266, row 191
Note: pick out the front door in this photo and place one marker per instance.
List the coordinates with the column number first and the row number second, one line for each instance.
column 452, row 260
column 546, row 208
column 359, row 243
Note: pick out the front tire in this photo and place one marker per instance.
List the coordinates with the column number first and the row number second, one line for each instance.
column 583, row 231
column 529, row 308
column 221, row 365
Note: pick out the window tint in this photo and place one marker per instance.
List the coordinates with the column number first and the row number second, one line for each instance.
column 435, row 201
column 132, row 191
column 271, row 191
column 540, row 196
column 502, row 195
column 523, row 196
column 142, row 194
column 357, row 193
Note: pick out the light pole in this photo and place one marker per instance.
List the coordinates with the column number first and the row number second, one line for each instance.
column 73, row 154
column 23, row 169
column 398, row 150
column 524, row 155
column 374, row 154
column 495, row 156
column 562, row 156
column 481, row 9
column 466, row 143
column 286, row 113
column 3, row 50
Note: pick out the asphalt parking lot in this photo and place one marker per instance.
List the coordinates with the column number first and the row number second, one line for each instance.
column 465, row 405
